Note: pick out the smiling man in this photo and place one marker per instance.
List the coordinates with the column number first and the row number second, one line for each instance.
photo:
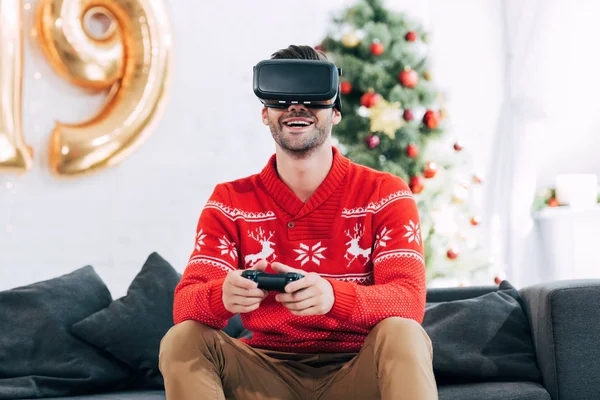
column 351, row 326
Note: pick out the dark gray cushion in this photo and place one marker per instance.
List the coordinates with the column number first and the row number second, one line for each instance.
column 494, row 391
column 131, row 327
column 482, row 339
column 443, row 294
column 39, row 357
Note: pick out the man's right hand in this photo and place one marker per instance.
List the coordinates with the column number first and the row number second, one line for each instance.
column 241, row 295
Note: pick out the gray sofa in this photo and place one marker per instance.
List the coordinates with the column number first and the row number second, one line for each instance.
column 66, row 338
column 565, row 325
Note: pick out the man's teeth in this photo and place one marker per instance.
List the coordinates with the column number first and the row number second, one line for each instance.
column 298, row 123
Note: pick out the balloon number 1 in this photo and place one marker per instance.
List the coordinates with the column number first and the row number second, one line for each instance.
column 15, row 156
column 130, row 58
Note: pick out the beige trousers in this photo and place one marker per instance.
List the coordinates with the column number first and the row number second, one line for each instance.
column 395, row 363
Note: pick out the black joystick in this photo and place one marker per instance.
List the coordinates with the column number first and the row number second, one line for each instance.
column 271, row 281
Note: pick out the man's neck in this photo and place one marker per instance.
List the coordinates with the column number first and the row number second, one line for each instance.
column 304, row 176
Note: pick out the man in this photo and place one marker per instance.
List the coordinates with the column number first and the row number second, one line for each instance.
column 350, row 328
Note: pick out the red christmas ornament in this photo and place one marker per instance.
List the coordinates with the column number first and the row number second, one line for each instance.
column 430, row 169
column 372, row 141
column 377, row 48
column 417, row 183
column 369, row 99
column 553, row 202
column 458, row 146
column 411, row 36
column 431, row 119
column 345, row 87
column 412, row 150
column 497, row 280
column 408, row 115
column 452, row 253
column 408, row 78
column 475, row 220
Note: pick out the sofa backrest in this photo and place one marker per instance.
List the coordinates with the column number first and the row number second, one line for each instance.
column 440, row 295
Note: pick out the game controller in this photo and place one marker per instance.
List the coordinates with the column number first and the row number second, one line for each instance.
column 275, row 282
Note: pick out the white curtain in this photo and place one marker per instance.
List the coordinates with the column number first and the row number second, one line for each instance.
column 511, row 178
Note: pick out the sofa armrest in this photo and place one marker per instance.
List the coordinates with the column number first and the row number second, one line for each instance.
column 565, row 324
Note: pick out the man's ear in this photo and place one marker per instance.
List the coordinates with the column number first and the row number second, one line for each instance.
column 337, row 116
column 265, row 117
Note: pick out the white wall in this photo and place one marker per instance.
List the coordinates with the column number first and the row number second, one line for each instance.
column 211, row 132
column 573, row 102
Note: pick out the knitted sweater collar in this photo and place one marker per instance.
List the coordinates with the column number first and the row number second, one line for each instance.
column 287, row 200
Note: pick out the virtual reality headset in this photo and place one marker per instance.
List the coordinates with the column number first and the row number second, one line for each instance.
column 313, row 83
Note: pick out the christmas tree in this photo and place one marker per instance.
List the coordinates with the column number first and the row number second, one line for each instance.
column 394, row 120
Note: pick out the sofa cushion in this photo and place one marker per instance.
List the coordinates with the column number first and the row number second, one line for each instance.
column 39, row 356
column 126, row 395
column 476, row 391
column 494, row 391
column 131, row 327
column 482, row 339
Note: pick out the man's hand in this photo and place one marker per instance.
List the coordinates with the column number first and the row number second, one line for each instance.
column 311, row 295
column 241, row 295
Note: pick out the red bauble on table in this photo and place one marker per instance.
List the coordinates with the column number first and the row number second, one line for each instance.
column 411, row 36
column 408, row 115
column 369, row 99
column 372, row 141
column 431, row 119
column 417, row 183
column 458, row 146
column 412, row 150
column 345, row 87
column 408, row 78
column 452, row 253
column 430, row 169
column 376, row 48
column 476, row 220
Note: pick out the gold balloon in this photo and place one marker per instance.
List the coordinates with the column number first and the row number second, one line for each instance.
column 131, row 59
column 15, row 155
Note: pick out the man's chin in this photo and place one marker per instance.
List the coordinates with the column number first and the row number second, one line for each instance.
column 297, row 151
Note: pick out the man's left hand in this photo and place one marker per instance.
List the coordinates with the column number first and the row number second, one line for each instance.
column 311, row 295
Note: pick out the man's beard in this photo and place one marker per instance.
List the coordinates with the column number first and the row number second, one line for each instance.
column 294, row 146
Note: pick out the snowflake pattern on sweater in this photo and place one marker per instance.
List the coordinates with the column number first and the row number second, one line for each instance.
column 359, row 230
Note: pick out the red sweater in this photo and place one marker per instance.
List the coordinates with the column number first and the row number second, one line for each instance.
column 360, row 230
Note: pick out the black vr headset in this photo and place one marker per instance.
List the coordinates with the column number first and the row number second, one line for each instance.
column 283, row 82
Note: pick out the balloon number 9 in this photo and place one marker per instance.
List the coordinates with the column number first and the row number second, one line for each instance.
column 129, row 57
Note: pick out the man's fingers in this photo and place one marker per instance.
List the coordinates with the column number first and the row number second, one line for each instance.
column 282, row 268
column 238, row 291
column 260, row 265
column 236, row 279
column 307, row 281
column 295, row 297
column 301, row 305
column 245, row 301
